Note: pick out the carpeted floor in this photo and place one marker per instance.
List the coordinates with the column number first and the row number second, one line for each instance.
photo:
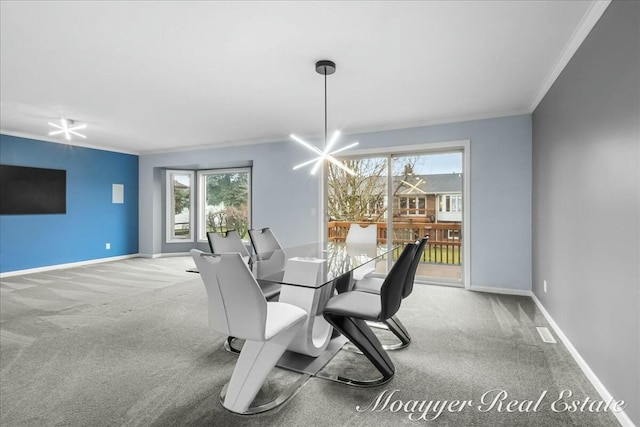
column 126, row 344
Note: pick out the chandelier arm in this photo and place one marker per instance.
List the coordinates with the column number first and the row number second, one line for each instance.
column 340, row 165
column 332, row 141
column 306, row 144
column 301, row 165
column 344, row 148
column 315, row 167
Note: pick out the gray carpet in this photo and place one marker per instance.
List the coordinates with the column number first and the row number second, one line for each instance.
column 126, row 344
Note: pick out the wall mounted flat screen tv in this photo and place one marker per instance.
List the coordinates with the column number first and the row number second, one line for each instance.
column 26, row 190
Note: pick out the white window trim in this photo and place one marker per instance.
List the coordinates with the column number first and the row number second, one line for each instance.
column 202, row 188
column 170, row 202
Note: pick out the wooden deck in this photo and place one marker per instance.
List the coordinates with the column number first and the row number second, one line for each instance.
column 439, row 271
column 430, row 270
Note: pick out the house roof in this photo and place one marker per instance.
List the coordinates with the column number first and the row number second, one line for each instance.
column 430, row 184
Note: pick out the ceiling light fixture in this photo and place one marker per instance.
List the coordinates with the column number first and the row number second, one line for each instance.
column 414, row 187
column 67, row 128
column 325, row 68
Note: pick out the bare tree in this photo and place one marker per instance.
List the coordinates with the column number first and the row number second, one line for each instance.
column 361, row 197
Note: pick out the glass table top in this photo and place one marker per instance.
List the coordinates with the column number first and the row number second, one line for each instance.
column 331, row 259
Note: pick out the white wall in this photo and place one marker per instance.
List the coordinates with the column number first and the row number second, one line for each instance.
column 287, row 200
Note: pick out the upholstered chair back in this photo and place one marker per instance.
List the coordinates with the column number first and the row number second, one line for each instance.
column 362, row 235
column 237, row 307
column 229, row 241
column 393, row 285
column 264, row 241
column 411, row 274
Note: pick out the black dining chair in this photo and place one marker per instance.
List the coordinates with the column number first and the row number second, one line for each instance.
column 349, row 312
column 374, row 284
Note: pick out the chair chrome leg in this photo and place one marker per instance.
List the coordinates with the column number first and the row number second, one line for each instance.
column 286, row 394
column 228, row 345
column 377, row 325
column 353, row 382
column 397, row 328
column 360, row 335
column 394, row 326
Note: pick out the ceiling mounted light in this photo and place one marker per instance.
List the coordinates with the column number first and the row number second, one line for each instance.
column 325, row 68
column 67, row 127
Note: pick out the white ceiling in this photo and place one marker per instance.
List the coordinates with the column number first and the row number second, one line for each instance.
column 155, row 76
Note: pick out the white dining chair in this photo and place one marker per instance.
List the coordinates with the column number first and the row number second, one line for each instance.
column 229, row 241
column 237, row 307
column 359, row 235
column 264, row 241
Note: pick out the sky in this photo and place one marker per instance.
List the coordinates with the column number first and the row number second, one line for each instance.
column 431, row 164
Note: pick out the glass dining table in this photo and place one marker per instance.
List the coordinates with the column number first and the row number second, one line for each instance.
column 308, row 276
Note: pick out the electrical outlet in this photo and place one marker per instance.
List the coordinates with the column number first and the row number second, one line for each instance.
column 108, row 246
column 545, row 286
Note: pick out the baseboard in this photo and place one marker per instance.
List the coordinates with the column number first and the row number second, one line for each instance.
column 170, row 254
column 88, row 262
column 622, row 417
column 66, row 265
column 504, row 291
column 141, row 255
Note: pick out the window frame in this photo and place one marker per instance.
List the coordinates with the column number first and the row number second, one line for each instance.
column 170, row 203
column 201, row 232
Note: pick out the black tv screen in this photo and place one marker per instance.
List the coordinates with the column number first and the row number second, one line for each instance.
column 26, row 190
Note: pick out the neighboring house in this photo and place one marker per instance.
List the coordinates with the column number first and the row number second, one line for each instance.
column 429, row 198
column 418, row 198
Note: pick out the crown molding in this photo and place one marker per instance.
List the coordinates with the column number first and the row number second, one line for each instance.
column 345, row 132
column 71, row 144
column 577, row 38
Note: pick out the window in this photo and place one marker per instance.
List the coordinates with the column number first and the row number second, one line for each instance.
column 224, row 201
column 412, row 205
column 179, row 206
column 450, row 208
column 451, row 203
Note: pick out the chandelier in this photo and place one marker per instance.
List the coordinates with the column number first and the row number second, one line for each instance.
column 325, row 68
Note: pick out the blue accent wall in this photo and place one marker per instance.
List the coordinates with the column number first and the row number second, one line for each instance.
column 91, row 221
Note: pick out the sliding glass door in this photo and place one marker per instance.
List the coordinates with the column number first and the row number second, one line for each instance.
column 406, row 197
column 427, row 201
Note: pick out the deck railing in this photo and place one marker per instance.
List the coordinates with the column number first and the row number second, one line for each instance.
column 444, row 238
